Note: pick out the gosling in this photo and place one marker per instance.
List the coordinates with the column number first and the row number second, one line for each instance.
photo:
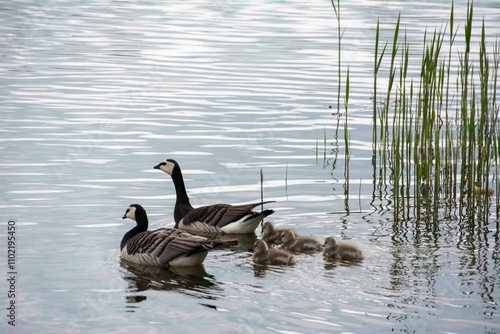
column 262, row 254
column 270, row 234
column 341, row 251
column 295, row 243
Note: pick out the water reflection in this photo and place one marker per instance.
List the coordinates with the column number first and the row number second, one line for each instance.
column 239, row 242
column 334, row 264
column 429, row 275
column 192, row 281
column 260, row 270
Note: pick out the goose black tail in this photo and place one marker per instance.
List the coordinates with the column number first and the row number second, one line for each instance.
column 266, row 213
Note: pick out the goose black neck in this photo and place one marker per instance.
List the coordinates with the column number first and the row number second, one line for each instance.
column 141, row 219
column 180, row 187
column 182, row 204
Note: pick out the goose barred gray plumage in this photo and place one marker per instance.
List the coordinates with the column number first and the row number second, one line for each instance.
column 162, row 247
column 210, row 219
column 296, row 243
column 263, row 254
column 341, row 251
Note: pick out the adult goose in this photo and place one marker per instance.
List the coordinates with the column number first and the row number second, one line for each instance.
column 341, row 251
column 210, row 219
column 263, row 254
column 162, row 247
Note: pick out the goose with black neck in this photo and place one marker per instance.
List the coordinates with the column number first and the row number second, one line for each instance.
column 210, row 219
column 162, row 247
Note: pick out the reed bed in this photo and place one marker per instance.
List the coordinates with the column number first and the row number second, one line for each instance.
column 436, row 137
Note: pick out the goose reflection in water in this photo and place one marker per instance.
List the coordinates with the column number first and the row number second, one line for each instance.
column 261, row 270
column 193, row 281
column 333, row 264
column 238, row 242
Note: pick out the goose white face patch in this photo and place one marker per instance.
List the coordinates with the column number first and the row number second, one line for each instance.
column 130, row 213
column 167, row 167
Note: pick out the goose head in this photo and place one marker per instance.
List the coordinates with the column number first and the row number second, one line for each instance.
column 130, row 213
column 168, row 166
column 136, row 213
column 330, row 242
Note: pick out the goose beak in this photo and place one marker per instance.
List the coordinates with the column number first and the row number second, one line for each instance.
column 124, row 216
column 157, row 166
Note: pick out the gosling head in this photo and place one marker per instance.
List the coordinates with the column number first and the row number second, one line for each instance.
column 168, row 166
column 287, row 236
column 330, row 242
column 267, row 228
column 130, row 213
column 260, row 246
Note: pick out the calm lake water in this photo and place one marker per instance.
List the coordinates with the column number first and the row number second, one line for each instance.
column 95, row 93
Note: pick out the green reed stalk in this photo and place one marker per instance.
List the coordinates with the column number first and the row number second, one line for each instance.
column 392, row 70
column 376, row 67
column 435, row 104
column 449, row 159
column 436, row 186
column 400, row 135
column 286, row 180
column 346, row 167
column 483, row 131
column 324, row 145
column 317, row 140
column 486, row 128
column 261, row 189
column 359, row 195
column 336, row 9
column 410, row 133
column 397, row 159
column 465, row 128
column 346, row 139
column 495, row 127
column 384, row 114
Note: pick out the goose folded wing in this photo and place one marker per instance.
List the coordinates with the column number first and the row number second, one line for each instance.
column 237, row 212
column 221, row 214
column 210, row 215
column 181, row 245
column 150, row 242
